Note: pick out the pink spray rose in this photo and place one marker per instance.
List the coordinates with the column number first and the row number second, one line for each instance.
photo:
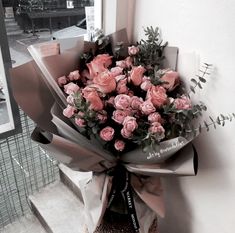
column 129, row 62
column 70, row 99
column 125, row 133
column 147, row 107
column 91, row 96
column 80, row 122
column 136, row 75
column 62, row 81
column 183, row 103
column 154, row 117
column 156, row 128
column 157, row 95
column 172, row 79
column 133, row 50
column 146, row 83
column 121, row 64
column 69, row 111
column 122, row 101
column 102, row 116
column 119, row 145
column 74, row 75
column 136, row 102
column 119, row 116
column 71, row 88
column 130, row 124
column 107, row 133
column 121, row 86
column 116, row 71
column 105, row 81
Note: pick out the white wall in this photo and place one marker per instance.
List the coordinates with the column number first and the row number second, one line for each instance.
column 205, row 203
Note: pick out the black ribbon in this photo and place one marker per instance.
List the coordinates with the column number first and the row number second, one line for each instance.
column 121, row 187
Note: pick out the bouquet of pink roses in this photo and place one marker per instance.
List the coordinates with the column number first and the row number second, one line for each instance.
column 120, row 111
column 129, row 101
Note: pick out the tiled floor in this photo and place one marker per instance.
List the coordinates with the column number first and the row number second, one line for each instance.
column 27, row 224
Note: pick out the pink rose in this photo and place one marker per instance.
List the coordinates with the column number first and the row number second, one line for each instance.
column 183, row 103
column 80, row 122
column 69, row 111
column 74, row 75
column 125, row 133
column 147, row 107
column 133, row 50
column 105, row 82
column 99, row 64
column 119, row 116
column 146, row 83
column 103, row 59
column 95, row 69
column 102, row 116
column 129, row 62
column 121, row 64
column 91, row 96
column 136, row 75
column 120, row 77
column 107, row 133
column 122, row 101
column 62, row 81
column 157, row 95
column 70, row 99
column 156, row 128
column 172, row 79
column 116, row 71
column 71, row 88
column 119, row 145
column 154, row 117
column 136, row 102
column 130, row 124
column 121, row 87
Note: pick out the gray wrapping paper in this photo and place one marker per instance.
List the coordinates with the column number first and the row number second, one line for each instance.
column 36, row 91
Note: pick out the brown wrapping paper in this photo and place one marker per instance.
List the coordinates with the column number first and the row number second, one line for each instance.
column 37, row 93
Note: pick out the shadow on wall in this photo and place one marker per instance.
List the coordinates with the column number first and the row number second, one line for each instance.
column 178, row 215
column 211, row 177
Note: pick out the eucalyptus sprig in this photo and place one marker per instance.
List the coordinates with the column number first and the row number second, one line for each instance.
column 151, row 49
column 200, row 78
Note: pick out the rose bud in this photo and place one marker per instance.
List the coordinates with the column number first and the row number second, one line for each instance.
column 133, row 50
column 119, row 145
column 182, row 103
column 107, row 133
column 62, row 81
column 69, row 111
column 71, row 88
column 80, row 122
column 74, row 75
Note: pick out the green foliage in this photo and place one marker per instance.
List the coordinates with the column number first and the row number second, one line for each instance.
column 200, row 78
column 151, row 49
